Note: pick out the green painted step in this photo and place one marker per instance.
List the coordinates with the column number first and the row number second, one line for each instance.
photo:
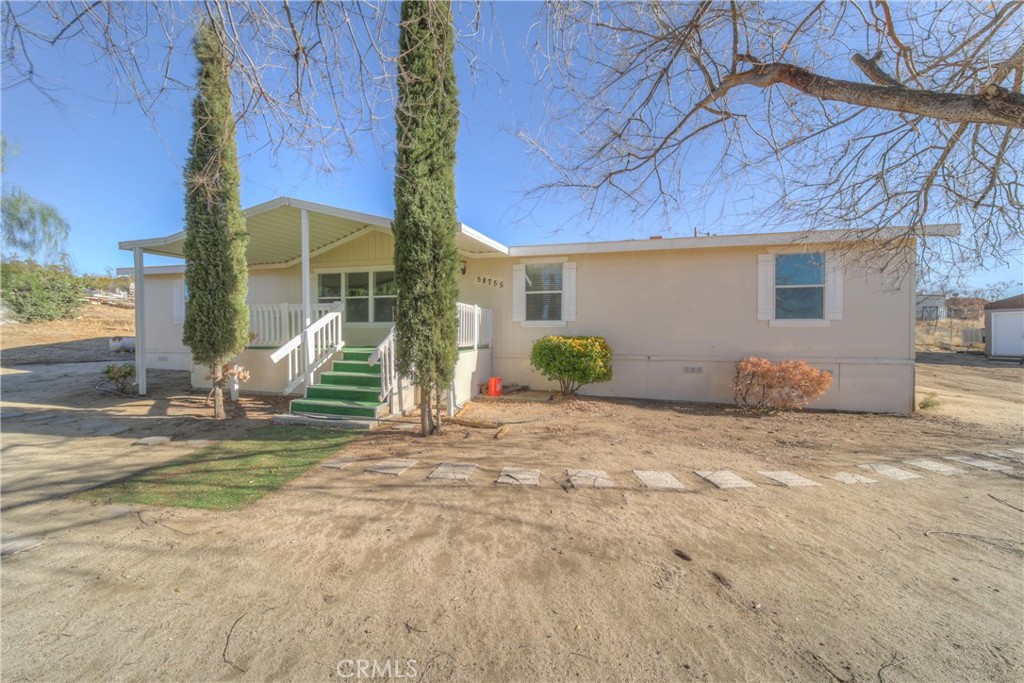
column 340, row 408
column 360, row 353
column 350, row 379
column 344, row 393
column 355, row 366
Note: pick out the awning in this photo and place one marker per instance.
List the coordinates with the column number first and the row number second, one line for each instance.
column 275, row 238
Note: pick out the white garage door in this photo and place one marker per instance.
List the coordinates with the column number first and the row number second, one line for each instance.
column 1008, row 333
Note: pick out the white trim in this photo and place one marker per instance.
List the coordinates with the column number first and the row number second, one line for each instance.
column 483, row 239
column 518, row 292
column 545, row 259
column 543, row 323
column 307, row 299
column 151, row 242
column 178, row 303
column 795, row 322
column 782, row 239
column 154, row 270
column 140, row 320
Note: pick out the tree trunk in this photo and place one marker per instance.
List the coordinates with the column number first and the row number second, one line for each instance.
column 426, row 412
column 217, row 372
column 437, row 420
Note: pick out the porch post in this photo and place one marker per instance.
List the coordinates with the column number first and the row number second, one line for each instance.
column 140, row 322
column 307, row 304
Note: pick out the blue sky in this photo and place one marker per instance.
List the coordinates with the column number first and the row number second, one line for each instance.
column 116, row 174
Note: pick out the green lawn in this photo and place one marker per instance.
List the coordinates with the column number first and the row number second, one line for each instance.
column 228, row 475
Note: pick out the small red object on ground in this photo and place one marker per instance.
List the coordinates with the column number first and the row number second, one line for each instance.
column 494, row 387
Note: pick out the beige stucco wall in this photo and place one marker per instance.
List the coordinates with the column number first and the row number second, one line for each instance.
column 164, row 350
column 664, row 312
column 677, row 322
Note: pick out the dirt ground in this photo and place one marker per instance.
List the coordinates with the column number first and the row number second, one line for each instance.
column 478, row 582
column 86, row 338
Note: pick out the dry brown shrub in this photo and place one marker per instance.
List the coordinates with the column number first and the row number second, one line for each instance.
column 784, row 385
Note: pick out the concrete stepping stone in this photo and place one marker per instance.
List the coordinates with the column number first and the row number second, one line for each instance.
column 847, row 478
column 152, row 441
column 789, row 479
column 889, row 471
column 337, row 462
column 935, row 466
column 589, row 479
column 515, row 476
column 724, row 479
column 393, row 467
column 658, row 481
column 979, row 463
column 12, row 544
column 1005, row 455
column 458, row 471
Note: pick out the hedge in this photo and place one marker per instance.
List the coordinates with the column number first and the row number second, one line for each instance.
column 572, row 361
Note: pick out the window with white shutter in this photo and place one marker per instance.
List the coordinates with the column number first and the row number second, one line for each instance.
column 544, row 293
column 799, row 289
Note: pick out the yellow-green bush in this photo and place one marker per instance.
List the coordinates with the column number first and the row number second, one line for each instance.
column 573, row 361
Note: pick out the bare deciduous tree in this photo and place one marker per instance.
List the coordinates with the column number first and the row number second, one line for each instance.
column 310, row 76
column 824, row 114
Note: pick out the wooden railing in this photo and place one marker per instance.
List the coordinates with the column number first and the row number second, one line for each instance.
column 311, row 348
column 385, row 355
column 474, row 326
column 275, row 324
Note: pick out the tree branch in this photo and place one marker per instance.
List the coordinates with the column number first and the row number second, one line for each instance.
column 995, row 105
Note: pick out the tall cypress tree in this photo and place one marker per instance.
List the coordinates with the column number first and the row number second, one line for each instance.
column 216, row 315
column 426, row 258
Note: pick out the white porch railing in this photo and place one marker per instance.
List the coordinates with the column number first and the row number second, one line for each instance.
column 311, row 348
column 275, row 324
column 474, row 326
column 385, row 355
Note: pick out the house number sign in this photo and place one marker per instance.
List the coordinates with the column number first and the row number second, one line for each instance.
column 490, row 282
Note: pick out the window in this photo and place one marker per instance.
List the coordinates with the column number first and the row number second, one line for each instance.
column 799, row 289
column 368, row 295
column 544, row 293
column 799, row 286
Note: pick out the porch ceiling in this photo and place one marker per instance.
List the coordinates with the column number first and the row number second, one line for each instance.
column 275, row 233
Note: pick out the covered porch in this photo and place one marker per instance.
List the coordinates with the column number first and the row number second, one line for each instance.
column 305, row 304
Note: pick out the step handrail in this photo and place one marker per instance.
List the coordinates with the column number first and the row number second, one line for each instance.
column 385, row 354
column 311, row 348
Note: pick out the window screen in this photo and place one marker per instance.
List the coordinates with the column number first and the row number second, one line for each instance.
column 799, row 286
column 544, row 291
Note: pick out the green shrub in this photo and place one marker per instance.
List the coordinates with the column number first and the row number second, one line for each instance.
column 121, row 375
column 37, row 292
column 573, row 361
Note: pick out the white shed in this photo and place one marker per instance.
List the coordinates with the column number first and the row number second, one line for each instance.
column 1004, row 328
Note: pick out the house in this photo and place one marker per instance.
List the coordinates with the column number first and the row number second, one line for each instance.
column 930, row 307
column 678, row 313
column 1004, row 328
